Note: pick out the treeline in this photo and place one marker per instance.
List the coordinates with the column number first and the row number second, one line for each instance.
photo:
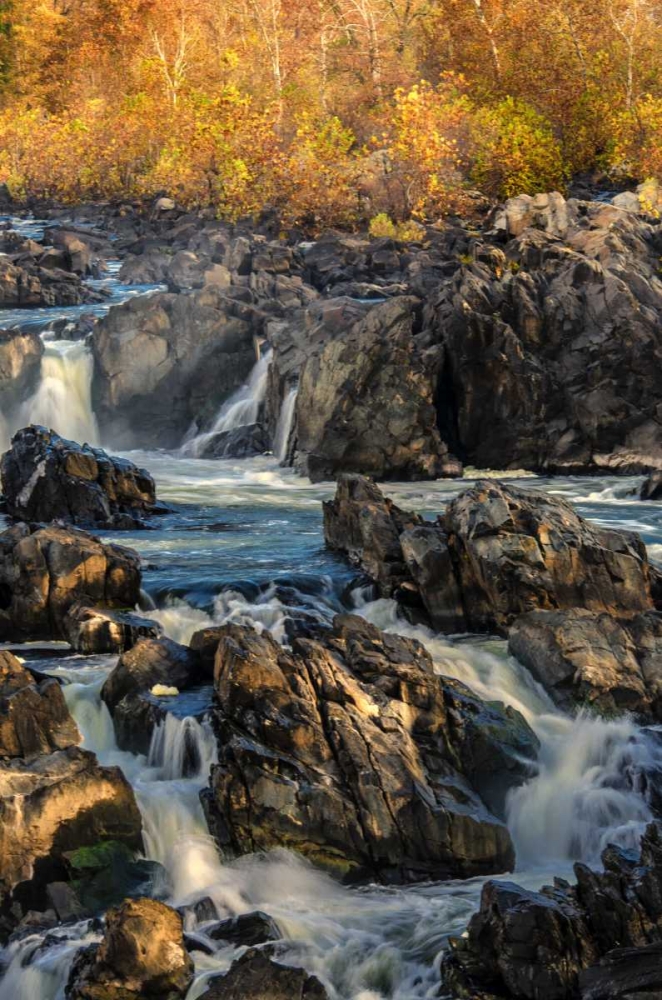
column 333, row 111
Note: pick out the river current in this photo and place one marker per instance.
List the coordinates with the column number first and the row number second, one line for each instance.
column 244, row 543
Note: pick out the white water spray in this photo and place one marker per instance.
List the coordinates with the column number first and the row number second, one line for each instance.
column 284, row 426
column 63, row 399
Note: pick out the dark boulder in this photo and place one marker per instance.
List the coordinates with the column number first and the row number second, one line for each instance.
column 99, row 630
column 652, row 488
column 47, row 478
column 255, row 976
column 34, row 718
column 151, row 662
column 349, row 749
column 245, row 930
column 242, row 442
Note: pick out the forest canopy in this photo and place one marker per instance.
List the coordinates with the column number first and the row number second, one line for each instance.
column 335, row 112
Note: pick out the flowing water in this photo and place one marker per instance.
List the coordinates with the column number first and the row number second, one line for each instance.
column 244, row 543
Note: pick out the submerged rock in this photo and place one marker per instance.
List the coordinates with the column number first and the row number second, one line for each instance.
column 141, row 955
column 45, row 572
column 255, row 976
column 47, row 478
column 34, row 717
column 350, row 750
column 247, row 929
column 567, row 941
column 497, row 552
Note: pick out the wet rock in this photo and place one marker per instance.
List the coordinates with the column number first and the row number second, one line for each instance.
column 255, row 976
column 34, row 287
column 135, row 718
column 55, row 804
column 47, row 478
column 245, row 930
column 345, row 412
column 497, row 552
column 151, row 662
column 592, row 659
column 20, row 366
column 242, row 442
column 652, row 487
column 46, row 571
column 163, row 361
column 559, row 943
column 106, row 873
column 348, row 749
column 34, row 718
column 141, row 955
column 205, row 642
column 97, row 630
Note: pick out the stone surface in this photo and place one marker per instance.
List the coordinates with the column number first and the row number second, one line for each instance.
column 20, row 366
column 45, row 572
column 247, row 929
column 255, row 976
column 141, row 955
column 652, row 487
column 497, row 552
column 98, row 630
column 35, row 287
column 47, row 478
column 34, row 718
column 150, row 662
column 351, row 751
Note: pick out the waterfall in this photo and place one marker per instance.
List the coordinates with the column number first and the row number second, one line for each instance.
column 241, row 410
column 63, row 399
column 284, row 426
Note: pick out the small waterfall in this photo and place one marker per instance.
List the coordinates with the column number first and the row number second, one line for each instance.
column 241, row 410
column 182, row 748
column 284, row 426
column 63, row 399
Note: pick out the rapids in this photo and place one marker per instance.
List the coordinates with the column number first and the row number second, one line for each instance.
column 244, row 543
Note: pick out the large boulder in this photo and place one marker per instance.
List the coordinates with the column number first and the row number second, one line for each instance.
column 497, row 552
column 162, row 361
column 366, row 403
column 564, row 941
column 594, row 659
column 35, row 287
column 46, row 571
column 47, row 478
column 141, row 956
column 256, row 976
column 91, row 630
column 350, row 750
column 20, row 366
column 34, row 717
column 55, row 804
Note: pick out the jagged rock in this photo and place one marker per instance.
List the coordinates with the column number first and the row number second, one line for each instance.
column 366, row 403
column 145, row 269
column 497, row 552
column 55, row 804
column 559, row 943
column 589, row 658
column 548, row 212
column 34, row 718
column 242, row 442
column 20, row 366
column 245, row 930
column 34, row 287
column 150, row 662
column 205, row 642
column 47, row 478
column 652, row 488
column 349, row 749
column 45, row 572
column 141, row 955
column 98, row 630
column 255, row 976
column 163, row 361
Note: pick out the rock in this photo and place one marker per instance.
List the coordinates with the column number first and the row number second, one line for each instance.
column 205, row 642
column 135, row 718
column 588, row 658
column 548, row 212
column 255, row 976
column 145, row 269
column 141, row 955
column 65, row 902
column 34, row 287
column 151, row 662
column 163, row 361
column 560, row 943
column 105, row 874
column 98, row 630
column 20, row 367
column 245, row 930
column 497, row 552
column 366, row 403
column 34, row 718
column 47, row 478
column 646, row 200
column 46, row 571
column 55, row 804
column 652, row 488
column 242, row 442
column 348, row 749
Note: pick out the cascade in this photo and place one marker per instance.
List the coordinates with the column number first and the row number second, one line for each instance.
column 284, row 426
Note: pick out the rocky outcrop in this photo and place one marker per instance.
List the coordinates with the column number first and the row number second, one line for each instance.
column 350, row 750
column 163, row 361
column 367, row 403
column 497, row 552
column 46, row 571
column 47, row 478
column 594, row 659
column 55, row 804
column 652, row 487
column 255, row 976
column 141, row 955
column 34, row 718
column 567, row 942
column 35, row 287
column 20, row 366
column 98, row 630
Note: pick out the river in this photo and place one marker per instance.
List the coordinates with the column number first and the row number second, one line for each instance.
column 244, row 543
